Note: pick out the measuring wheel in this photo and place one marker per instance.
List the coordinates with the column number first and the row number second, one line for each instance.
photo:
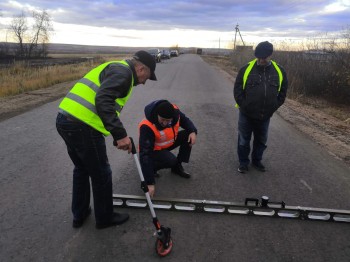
column 161, row 249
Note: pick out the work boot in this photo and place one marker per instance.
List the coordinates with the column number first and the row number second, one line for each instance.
column 117, row 219
column 259, row 166
column 79, row 222
column 179, row 170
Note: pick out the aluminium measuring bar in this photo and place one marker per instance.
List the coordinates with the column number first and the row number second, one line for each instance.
column 251, row 206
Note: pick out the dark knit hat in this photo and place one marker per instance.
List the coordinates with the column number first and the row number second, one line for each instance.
column 165, row 109
column 263, row 49
column 148, row 60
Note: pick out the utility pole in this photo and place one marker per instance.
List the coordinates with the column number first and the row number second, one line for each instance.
column 237, row 30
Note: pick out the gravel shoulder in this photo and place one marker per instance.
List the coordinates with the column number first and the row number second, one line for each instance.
column 329, row 132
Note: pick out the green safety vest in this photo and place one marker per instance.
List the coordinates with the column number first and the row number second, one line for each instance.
column 249, row 68
column 80, row 101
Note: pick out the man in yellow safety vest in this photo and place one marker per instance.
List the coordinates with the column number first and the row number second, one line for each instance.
column 89, row 112
column 260, row 89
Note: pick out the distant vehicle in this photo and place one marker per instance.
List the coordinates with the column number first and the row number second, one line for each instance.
column 199, row 51
column 156, row 53
column 165, row 54
column 174, row 52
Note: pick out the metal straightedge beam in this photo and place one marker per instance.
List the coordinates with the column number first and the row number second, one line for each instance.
column 251, row 206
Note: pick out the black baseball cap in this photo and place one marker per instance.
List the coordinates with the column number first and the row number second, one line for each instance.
column 263, row 50
column 148, row 60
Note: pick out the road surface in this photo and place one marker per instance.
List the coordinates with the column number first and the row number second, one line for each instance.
column 36, row 186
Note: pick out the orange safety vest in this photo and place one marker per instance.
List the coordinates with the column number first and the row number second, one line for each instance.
column 163, row 138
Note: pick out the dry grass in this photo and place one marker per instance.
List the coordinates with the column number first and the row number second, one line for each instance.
column 221, row 61
column 21, row 78
column 341, row 112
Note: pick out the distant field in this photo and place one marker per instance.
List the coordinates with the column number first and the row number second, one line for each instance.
column 89, row 55
column 88, row 49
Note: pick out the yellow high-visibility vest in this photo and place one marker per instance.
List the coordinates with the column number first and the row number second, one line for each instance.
column 80, row 100
column 249, row 68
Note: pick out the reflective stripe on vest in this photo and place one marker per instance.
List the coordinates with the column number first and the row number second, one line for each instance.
column 80, row 101
column 249, row 68
column 163, row 138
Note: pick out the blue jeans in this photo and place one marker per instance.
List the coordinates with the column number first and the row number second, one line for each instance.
column 87, row 150
column 247, row 127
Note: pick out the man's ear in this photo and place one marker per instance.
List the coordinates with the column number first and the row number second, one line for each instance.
column 138, row 67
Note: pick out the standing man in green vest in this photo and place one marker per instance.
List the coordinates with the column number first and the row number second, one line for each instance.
column 260, row 89
column 89, row 112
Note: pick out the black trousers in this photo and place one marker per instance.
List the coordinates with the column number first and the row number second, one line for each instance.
column 165, row 159
column 87, row 150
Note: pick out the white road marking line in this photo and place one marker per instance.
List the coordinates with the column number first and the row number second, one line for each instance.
column 306, row 185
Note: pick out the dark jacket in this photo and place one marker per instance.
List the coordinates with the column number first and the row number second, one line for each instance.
column 115, row 82
column 260, row 98
column 147, row 137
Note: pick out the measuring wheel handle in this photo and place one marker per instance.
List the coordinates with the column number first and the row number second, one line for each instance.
column 164, row 243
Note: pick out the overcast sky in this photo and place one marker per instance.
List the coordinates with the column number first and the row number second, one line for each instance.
column 199, row 23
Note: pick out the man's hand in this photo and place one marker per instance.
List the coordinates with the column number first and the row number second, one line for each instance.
column 151, row 189
column 124, row 144
column 192, row 138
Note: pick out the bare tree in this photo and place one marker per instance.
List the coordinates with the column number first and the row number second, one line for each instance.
column 19, row 27
column 346, row 37
column 32, row 42
column 41, row 34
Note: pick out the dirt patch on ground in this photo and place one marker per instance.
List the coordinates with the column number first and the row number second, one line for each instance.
column 15, row 105
column 328, row 131
column 312, row 118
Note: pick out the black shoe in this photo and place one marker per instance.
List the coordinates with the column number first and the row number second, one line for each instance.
column 259, row 166
column 242, row 169
column 179, row 170
column 117, row 219
column 79, row 222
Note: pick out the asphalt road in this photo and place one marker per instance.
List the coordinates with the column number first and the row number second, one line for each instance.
column 35, row 185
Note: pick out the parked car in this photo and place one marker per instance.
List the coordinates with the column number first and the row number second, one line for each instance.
column 166, row 54
column 156, row 53
column 174, row 52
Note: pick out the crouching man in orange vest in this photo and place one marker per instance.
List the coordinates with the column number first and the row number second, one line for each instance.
column 159, row 134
